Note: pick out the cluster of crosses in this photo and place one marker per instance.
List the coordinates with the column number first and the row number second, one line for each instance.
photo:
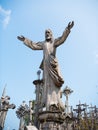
column 83, row 117
column 4, row 107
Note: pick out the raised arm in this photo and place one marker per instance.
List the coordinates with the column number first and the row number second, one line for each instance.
column 65, row 34
column 30, row 44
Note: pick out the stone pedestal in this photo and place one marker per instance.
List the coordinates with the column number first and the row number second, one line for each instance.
column 50, row 120
column 30, row 128
column 51, row 117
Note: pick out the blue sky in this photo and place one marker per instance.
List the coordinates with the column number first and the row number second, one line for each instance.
column 78, row 56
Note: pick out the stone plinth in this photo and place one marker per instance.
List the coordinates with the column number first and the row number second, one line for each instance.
column 50, row 120
column 30, row 128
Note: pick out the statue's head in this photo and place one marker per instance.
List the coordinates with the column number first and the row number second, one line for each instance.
column 48, row 35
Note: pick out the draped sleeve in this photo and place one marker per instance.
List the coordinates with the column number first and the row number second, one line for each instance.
column 61, row 39
column 33, row 45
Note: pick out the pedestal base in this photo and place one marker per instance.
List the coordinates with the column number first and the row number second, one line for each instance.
column 51, row 120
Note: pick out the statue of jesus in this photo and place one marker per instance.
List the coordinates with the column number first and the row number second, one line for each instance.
column 52, row 78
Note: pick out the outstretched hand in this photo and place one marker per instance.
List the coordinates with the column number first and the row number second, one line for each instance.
column 21, row 38
column 70, row 25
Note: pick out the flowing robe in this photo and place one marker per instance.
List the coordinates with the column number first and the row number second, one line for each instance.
column 52, row 78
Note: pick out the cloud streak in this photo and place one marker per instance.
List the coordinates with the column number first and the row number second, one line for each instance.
column 5, row 16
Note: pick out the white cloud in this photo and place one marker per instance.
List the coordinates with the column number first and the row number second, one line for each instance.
column 5, row 16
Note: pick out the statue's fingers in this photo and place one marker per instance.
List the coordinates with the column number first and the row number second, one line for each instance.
column 18, row 37
column 72, row 22
column 69, row 23
column 22, row 36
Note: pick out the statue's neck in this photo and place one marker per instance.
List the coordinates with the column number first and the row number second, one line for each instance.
column 49, row 40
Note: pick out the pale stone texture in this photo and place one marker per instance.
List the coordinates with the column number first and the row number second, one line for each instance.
column 4, row 107
column 50, row 117
column 52, row 79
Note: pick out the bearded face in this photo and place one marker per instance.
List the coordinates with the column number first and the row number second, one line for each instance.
column 48, row 35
